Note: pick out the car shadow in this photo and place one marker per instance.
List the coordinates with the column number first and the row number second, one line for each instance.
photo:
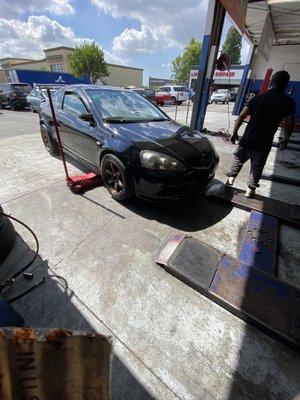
column 53, row 304
column 189, row 214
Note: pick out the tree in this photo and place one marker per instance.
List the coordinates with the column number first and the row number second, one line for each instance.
column 182, row 64
column 88, row 59
column 233, row 45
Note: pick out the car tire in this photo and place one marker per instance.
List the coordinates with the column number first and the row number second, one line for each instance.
column 173, row 101
column 13, row 106
column 2, row 106
column 179, row 103
column 116, row 178
column 49, row 142
column 7, row 236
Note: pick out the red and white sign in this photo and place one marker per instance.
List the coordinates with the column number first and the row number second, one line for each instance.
column 235, row 74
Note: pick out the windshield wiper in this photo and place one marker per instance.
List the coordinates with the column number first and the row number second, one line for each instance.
column 116, row 119
column 158, row 119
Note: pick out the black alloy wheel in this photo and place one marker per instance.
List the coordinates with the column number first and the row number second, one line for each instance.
column 116, row 178
column 49, row 143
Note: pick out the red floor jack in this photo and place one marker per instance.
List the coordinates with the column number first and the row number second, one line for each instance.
column 79, row 183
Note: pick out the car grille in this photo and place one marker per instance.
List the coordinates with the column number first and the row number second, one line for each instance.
column 201, row 160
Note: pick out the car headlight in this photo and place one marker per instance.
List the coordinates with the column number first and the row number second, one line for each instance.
column 154, row 160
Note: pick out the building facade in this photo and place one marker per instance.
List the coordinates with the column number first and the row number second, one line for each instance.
column 57, row 59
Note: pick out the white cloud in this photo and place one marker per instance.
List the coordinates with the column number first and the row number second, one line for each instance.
column 16, row 8
column 29, row 38
column 113, row 58
column 164, row 23
column 145, row 40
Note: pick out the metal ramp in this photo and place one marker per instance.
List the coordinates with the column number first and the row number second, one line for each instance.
column 287, row 213
column 246, row 286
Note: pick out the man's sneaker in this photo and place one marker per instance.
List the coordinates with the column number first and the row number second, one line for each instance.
column 230, row 181
column 250, row 193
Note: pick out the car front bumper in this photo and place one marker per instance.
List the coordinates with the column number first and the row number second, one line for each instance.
column 165, row 186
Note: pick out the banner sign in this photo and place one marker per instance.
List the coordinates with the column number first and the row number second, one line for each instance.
column 40, row 77
column 233, row 73
column 266, row 39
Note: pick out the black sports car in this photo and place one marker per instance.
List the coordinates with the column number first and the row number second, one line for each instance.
column 135, row 146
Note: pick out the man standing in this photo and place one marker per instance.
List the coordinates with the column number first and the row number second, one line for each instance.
column 266, row 112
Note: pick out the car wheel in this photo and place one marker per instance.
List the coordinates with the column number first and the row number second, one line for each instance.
column 13, row 106
column 173, row 101
column 49, row 143
column 116, row 178
column 223, row 102
column 179, row 103
column 7, row 236
column 2, row 106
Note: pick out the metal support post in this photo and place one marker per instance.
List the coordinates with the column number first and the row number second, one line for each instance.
column 211, row 40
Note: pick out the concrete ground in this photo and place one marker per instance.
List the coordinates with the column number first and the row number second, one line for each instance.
column 217, row 115
column 97, row 256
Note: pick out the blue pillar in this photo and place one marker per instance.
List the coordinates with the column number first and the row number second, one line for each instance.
column 212, row 35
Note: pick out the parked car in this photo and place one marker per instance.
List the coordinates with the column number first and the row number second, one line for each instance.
column 162, row 98
column 135, row 147
column 220, row 96
column 178, row 94
column 36, row 97
column 148, row 94
column 14, row 95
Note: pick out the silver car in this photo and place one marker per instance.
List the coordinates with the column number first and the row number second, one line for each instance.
column 36, row 97
column 220, row 96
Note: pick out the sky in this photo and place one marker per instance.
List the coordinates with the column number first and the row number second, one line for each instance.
column 141, row 33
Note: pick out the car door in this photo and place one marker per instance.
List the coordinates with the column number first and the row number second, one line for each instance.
column 32, row 98
column 78, row 136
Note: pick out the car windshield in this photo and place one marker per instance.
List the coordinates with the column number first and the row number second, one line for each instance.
column 221, row 91
column 180, row 89
column 22, row 88
column 123, row 106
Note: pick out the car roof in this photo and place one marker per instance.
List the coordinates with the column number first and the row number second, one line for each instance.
column 93, row 87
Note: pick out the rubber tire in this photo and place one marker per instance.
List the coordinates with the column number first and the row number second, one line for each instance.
column 128, row 190
column 13, row 106
column 2, row 106
column 7, row 236
column 179, row 103
column 53, row 146
column 173, row 101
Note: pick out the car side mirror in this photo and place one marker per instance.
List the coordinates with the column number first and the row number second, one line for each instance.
column 88, row 117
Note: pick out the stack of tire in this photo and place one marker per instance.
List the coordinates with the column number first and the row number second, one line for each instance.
column 7, row 236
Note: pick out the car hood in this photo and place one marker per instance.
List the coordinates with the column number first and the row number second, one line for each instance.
column 166, row 137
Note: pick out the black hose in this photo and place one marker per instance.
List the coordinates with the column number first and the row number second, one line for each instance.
column 26, row 291
column 10, row 280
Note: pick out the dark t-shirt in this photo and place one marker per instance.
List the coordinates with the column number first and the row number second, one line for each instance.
column 266, row 112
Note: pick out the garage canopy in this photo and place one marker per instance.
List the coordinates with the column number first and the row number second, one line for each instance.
column 284, row 19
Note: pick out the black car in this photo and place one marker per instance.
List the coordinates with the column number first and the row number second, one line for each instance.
column 136, row 147
column 148, row 94
column 14, row 95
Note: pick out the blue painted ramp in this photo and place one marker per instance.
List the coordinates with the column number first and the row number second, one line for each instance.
column 259, row 244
